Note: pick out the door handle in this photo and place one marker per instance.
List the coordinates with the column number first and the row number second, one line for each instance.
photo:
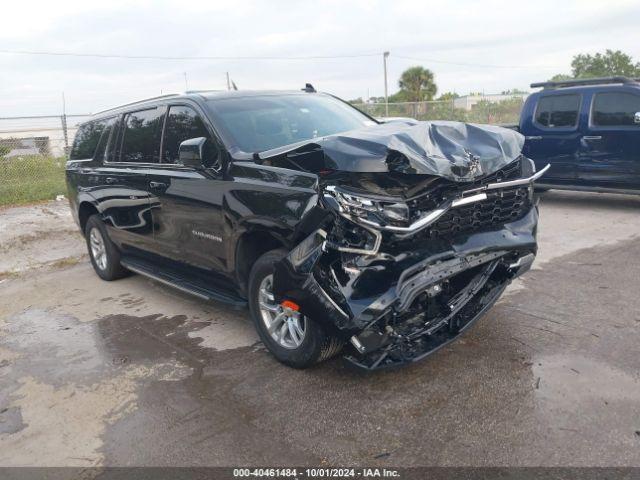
column 592, row 137
column 110, row 180
column 158, row 185
column 535, row 137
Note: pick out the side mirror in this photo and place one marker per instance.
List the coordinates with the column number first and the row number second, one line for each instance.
column 191, row 152
column 636, row 118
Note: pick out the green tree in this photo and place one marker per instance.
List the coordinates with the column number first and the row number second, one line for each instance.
column 608, row 64
column 400, row 96
column 448, row 96
column 560, row 77
column 417, row 84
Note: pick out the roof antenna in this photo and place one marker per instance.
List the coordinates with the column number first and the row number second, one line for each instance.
column 309, row 88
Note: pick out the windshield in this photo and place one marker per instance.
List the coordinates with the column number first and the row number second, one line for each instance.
column 259, row 123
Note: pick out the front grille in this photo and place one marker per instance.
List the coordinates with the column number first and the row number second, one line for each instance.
column 444, row 189
column 500, row 207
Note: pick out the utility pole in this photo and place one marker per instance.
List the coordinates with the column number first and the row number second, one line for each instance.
column 386, row 94
column 186, row 84
column 228, row 82
column 65, row 133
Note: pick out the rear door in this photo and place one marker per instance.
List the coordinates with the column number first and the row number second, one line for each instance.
column 187, row 213
column 124, row 194
column 553, row 136
column 610, row 153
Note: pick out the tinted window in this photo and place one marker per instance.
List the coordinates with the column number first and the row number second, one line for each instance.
column 558, row 110
column 262, row 122
column 86, row 141
column 104, row 138
column 141, row 136
column 615, row 108
column 182, row 124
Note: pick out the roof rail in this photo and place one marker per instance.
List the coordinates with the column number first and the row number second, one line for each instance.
column 137, row 102
column 574, row 82
column 203, row 91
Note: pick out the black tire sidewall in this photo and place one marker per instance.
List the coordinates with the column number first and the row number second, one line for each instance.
column 310, row 349
column 114, row 270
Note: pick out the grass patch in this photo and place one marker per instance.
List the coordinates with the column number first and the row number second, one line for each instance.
column 31, row 179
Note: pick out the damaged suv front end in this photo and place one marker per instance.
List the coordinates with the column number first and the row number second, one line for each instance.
column 417, row 231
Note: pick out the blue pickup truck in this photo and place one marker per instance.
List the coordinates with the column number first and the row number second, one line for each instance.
column 588, row 130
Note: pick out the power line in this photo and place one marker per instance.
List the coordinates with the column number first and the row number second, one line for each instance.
column 255, row 57
column 481, row 65
column 162, row 57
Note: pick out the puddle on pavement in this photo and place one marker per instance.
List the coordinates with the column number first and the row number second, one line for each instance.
column 64, row 382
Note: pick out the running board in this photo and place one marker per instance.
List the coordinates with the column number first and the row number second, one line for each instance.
column 198, row 289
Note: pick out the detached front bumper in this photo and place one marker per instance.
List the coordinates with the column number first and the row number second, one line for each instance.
column 410, row 298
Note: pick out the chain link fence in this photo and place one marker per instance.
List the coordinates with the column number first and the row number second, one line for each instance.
column 33, row 150
column 480, row 109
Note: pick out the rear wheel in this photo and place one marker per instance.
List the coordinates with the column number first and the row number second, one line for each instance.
column 104, row 255
column 292, row 338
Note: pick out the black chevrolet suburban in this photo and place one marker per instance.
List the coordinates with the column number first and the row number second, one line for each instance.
column 337, row 231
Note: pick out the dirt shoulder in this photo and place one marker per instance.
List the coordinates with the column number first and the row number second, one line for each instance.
column 37, row 236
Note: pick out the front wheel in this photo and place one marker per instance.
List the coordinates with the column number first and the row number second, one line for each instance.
column 104, row 255
column 295, row 340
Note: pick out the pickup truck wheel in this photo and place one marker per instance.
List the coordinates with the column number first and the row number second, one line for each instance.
column 104, row 255
column 295, row 340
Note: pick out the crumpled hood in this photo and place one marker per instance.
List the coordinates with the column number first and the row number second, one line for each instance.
column 453, row 150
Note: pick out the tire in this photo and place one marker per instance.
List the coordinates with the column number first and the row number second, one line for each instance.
column 108, row 266
column 314, row 346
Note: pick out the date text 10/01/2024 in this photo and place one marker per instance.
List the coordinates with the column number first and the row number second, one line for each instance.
column 315, row 473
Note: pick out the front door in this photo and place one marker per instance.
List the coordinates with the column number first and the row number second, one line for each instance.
column 610, row 153
column 554, row 137
column 187, row 216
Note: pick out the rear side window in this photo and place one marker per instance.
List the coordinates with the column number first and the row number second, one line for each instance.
column 182, row 124
column 558, row 111
column 141, row 136
column 87, row 139
column 101, row 150
column 614, row 109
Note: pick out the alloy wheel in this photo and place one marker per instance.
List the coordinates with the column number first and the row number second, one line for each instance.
column 98, row 248
column 286, row 327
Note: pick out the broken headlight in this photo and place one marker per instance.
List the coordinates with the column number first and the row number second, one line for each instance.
column 376, row 210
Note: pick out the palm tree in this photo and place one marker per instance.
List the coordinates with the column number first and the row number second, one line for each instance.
column 417, row 84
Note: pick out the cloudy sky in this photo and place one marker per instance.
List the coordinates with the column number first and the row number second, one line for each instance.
column 485, row 46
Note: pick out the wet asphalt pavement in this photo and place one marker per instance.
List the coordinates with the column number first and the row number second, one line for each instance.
column 135, row 373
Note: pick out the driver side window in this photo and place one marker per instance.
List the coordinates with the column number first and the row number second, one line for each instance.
column 182, row 124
